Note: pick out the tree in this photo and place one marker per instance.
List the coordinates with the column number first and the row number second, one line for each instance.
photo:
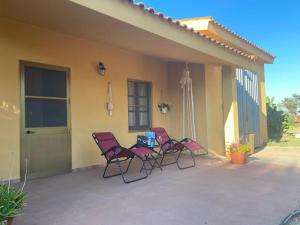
column 279, row 122
column 297, row 98
column 291, row 104
column 275, row 120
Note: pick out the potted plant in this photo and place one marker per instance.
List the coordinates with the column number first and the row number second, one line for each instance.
column 163, row 108
column 12, row 201
column 238, row 153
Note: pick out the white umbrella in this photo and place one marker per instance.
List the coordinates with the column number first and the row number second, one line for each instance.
column 188, row 112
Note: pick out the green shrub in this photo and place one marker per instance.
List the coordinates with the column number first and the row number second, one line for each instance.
column 275, row 119
column 279, row 122
column 237, row 147
column 11, row 202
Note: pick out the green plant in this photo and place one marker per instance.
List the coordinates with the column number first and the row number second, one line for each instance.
column 237, row 147
column 11, row 202
column 291, row 104
column 277, row 120
column 288, row 122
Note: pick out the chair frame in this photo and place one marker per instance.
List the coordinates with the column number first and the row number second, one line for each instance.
column 130, row 155
column 176, row 146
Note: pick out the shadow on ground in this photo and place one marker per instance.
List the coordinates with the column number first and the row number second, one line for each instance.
column 214, row 193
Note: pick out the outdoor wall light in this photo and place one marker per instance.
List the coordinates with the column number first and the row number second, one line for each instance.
column 101, row 68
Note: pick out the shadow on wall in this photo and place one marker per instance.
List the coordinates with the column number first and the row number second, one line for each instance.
column 248, row 104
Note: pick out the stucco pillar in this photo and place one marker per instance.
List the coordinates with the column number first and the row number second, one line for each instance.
column 214, row 111
column 230, row 105
column 263, row 107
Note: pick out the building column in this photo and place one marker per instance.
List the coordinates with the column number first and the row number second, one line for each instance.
column 214, row 109
column 262, row 106
column 230, row 105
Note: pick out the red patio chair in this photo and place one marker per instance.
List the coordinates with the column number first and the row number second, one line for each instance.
column 115, row 153
column 172, row 146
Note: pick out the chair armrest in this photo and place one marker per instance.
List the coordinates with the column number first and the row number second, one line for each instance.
column 186, row 139
column 173, row 141
column 170, row 142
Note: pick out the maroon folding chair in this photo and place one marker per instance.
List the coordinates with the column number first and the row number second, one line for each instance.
column 172, row 146
column 115, row 153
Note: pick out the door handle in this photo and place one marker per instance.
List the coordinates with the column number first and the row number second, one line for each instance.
column 30, row 132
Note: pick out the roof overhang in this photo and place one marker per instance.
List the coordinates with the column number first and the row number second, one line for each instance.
column 208, row 26
column 123, row 24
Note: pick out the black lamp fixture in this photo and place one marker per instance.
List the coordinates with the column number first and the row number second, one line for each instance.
column 101, row 68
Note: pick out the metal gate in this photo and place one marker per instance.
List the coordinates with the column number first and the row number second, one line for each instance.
column 248, row 103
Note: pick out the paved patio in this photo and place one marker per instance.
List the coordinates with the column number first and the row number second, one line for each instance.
column 213, row 193
column 285, row 156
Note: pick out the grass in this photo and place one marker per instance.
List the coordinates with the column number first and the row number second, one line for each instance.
column 289, row 139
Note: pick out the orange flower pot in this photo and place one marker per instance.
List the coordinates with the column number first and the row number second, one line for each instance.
column 238, row 158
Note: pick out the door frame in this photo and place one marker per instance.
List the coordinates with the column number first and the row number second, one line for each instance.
column 22, row 64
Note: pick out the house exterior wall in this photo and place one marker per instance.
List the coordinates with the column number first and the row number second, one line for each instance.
column 175, row 97
column 230, row 105
column 216, row 105
column 19, row 41
column 262, row 103
column 214, row 109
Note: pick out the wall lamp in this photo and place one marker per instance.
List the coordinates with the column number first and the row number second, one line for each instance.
column 101, row 68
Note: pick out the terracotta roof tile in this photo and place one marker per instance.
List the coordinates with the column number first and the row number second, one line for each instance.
column 240, row 37
column 177, row 23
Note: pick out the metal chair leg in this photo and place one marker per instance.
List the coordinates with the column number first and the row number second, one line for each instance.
column 167, row 164
column 133, row 180
column 144, row 167
column 186, row 167
column 156, row 162
column 117, row 174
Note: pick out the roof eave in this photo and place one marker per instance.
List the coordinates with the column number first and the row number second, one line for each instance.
column 250, row 47
column 209, row 25
column 146, row 19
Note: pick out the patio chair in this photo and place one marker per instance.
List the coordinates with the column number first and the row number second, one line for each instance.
column 172, row 146
column 115, row 153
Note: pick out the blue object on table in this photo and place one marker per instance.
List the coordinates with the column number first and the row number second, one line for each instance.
column 150, row 138
column 142, row 141
column 146, row 141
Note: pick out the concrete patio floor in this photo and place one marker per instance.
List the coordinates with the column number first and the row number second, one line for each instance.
column 213, row 193
column 285, row 156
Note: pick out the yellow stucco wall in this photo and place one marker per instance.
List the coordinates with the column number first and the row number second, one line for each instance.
column 175, row 97
column 230, row 105
column 214, row 111
column 216, row 107
column 20, row 41
column 262, row 103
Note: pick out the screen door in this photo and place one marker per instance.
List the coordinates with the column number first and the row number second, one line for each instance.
column 45, row 126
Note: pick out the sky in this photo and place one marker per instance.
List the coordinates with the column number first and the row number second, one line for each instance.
column 273, row 25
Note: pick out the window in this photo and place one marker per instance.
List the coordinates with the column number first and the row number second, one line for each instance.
column 45, row 97
column 139, row 93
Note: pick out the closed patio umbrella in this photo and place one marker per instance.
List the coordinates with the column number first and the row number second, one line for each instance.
column 109, row 103
column 188, row 112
